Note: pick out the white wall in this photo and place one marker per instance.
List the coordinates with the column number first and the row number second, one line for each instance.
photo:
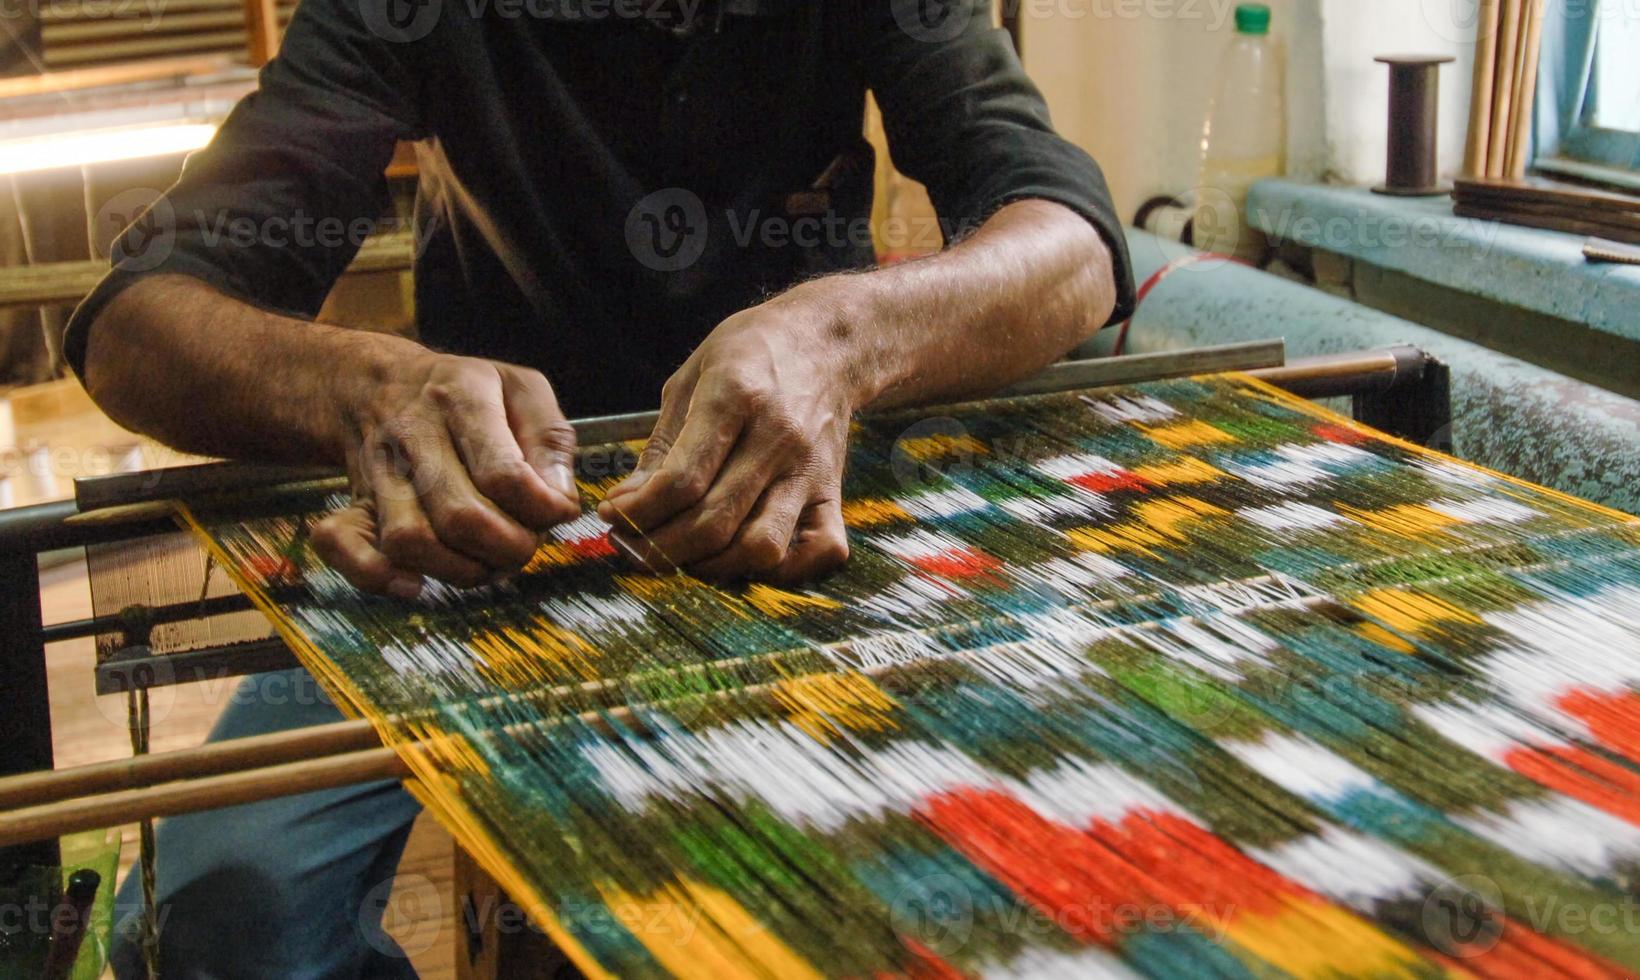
column 1130, row 80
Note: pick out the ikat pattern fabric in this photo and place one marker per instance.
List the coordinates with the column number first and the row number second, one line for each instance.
column 1189, row 678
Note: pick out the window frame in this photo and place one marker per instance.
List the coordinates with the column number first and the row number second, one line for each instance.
column 1566, row 142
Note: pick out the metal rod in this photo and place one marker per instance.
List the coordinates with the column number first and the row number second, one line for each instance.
column 1332, row 375
column 138, row 667
column 112, row 508
column 150, row 615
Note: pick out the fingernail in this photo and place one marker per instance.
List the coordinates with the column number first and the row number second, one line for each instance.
column 627, row 551
column 560, row 478
column 405, row 588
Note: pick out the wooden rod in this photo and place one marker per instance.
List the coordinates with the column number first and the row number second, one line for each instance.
column 210, row 759
column 1520, row 121
column 1503, row 86
column 1480, row 90
column 191, row 795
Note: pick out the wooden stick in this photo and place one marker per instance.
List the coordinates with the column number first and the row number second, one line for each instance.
column 192, row 795
column 261, row 31
column 1520, row 123
column 1480, row 90
column 83, row 78
column 1503, row 86
column 210, row 759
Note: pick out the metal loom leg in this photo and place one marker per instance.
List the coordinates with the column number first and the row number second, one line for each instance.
column 1418, row 409
column 25, row 746
column 25, row 709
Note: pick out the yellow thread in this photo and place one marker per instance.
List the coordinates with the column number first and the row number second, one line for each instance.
column 432, row 788
column 695, row 930
column 936, row 446
column 773, row 957
column 653, row 587
column 1169, row 515
column 1410, row 612
column 775, row 602
column 1287, row 400
column 1116, row 538
column 1384, row 638
column 1183, row 435
column 1183, row 471
column 1311, row 938
column 553, row 554
column 1405, row 520
column 825, row 704
column 871, row 512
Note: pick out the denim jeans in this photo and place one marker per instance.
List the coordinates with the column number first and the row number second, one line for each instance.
column 293, row 887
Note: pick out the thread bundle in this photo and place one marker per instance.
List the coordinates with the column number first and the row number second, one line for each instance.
column 1185, row 678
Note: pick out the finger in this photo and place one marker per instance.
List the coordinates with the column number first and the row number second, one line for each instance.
column 346, row 541
column 675, row 398
column 407, row 534
column 760, row 546
column 496, row 466
column 546, row 442
column 689, row 471
column 820, row 546
column 708, row 528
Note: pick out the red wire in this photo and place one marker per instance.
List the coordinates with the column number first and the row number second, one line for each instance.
column 1155, row 280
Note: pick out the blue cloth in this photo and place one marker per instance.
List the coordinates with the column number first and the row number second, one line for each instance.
column 289, row 887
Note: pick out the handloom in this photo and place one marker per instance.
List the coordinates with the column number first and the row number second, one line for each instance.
column 1184, row 678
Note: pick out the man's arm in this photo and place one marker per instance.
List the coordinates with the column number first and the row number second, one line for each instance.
column 455, row 462
column 744, row 472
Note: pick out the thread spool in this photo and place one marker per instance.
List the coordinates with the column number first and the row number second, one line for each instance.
column 1414, row 115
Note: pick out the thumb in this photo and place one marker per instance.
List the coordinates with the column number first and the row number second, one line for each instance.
column 675, row 398
column 545, row 437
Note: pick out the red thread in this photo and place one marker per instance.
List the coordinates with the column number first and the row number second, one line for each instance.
column 1338, row 433
column 598, row 547
column 1155, row 280
column 958, row 563
column 1110, row 480
column 1613, row 717
column 1582, row 775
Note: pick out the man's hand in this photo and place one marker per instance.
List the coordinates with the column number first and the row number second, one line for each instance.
column 743, row 474
column 457, row 464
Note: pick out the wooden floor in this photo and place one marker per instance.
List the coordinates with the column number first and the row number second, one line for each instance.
column 88, row 728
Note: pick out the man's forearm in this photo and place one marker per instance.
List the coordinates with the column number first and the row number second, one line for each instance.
column 1033, row 282
column 206, row 373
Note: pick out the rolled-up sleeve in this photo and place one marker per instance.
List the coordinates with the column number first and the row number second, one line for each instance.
column 276, row 206
column 964, row 119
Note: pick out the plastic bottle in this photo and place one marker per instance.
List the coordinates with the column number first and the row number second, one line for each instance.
column 1244, row 139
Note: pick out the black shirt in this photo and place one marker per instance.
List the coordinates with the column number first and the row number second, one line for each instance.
column 602, row 181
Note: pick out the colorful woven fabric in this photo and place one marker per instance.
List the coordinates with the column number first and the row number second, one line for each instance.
column 1190, row 678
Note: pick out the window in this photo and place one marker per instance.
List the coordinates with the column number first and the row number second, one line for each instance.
column 1588, row 113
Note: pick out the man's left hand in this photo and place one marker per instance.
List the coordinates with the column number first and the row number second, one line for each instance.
column 743, row 475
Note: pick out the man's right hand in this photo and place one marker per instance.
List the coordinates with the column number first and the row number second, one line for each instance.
column 457, row 465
